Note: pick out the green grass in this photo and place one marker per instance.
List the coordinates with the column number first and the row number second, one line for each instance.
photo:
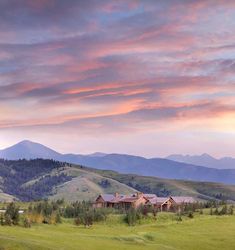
column 202, row 232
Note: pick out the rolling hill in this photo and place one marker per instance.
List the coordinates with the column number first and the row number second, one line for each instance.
column 29, row 180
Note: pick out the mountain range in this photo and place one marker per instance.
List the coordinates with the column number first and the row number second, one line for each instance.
column 205, row 160
column 174, row 167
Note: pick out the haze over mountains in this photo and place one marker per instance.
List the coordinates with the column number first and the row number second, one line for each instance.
column 205, row 160
column 165, row 168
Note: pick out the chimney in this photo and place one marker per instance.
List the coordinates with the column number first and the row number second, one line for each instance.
column 116, row 195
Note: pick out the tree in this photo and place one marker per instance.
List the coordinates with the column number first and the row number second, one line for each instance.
column 1, row 219
column 211, row 211
column 230, row 211
column 131, row 217
column 216, row 212
column 224, row 210
column 58, row 218
column 190, row 214
column 12, row 214
column 27, row 222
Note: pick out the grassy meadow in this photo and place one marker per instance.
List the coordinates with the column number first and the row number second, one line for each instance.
column 201, row 232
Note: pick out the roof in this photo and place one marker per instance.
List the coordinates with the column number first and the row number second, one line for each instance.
column 129, row 199
column 183, row 199
column 158, row 200
column 132, row 198
column 111, row 198
column 150, row 196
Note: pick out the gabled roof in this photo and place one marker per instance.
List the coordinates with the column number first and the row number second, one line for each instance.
column 183, row 199
column 158, row 200
column 111, row 198
column 132, row 198
column 150, row 196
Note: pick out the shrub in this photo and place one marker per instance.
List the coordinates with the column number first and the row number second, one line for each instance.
column 12, row 214
column 58, row 218
column 8, row 220
column 190, row 214
column 133, row 216
column 224, row 210
column 230, row 211
column 27, row 222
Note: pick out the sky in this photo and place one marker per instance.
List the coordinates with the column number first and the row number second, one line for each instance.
column 149, row 78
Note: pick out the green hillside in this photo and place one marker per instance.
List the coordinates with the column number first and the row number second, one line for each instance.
column 167, row 187
column 29, row 180
column 39, row 179
column 87, row 185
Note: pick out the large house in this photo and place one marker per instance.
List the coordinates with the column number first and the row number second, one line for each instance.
column 161, row 203
column 139, row 199
column 121, row 201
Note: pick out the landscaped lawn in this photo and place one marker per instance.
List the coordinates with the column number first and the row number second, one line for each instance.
column 202, row 232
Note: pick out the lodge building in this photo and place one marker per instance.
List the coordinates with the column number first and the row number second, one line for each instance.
column 139, row 199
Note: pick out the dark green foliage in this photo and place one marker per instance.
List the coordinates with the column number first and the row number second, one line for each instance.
column 45, row 208
column 1, row 219
column 58, row 218
column 178, row 217
column 216, row 212
column 211, row 211
column 12, row 214
column 26, row 222
column 7, row 220
column 230, row 210
column 224, row 210
column 190, row 214
column 133, row 216
column 105, row 183
column 16, row 173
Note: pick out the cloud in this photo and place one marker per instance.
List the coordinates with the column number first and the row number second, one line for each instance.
column 115, row 66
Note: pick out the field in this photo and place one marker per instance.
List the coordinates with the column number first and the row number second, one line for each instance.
column 202, row 232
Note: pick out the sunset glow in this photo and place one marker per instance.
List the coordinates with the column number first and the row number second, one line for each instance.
column 131, row 76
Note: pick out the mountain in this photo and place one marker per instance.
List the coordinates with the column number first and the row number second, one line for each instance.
column 128, row 164
column 28, row 150
column 205, row 160
column 29, row 180
column 159, row 167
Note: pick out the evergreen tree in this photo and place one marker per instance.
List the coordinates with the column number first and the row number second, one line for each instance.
column 12, row 214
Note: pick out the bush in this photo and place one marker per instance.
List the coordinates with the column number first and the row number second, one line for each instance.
column 27, row 222
column 133, row 216
column 224, row 210
column 230, row 211
column 12, row 214
column 58, row 218
column 178, row 217
column 8, row 220
column 190, row 214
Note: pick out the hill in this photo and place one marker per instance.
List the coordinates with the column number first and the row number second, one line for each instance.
column 28, row 180
column 169, row 187
column 129, row 164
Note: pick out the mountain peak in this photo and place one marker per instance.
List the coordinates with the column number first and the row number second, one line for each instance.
column 28, row 150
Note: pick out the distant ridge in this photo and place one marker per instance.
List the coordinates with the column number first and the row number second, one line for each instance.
column 205, row 160
column 159, row 167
